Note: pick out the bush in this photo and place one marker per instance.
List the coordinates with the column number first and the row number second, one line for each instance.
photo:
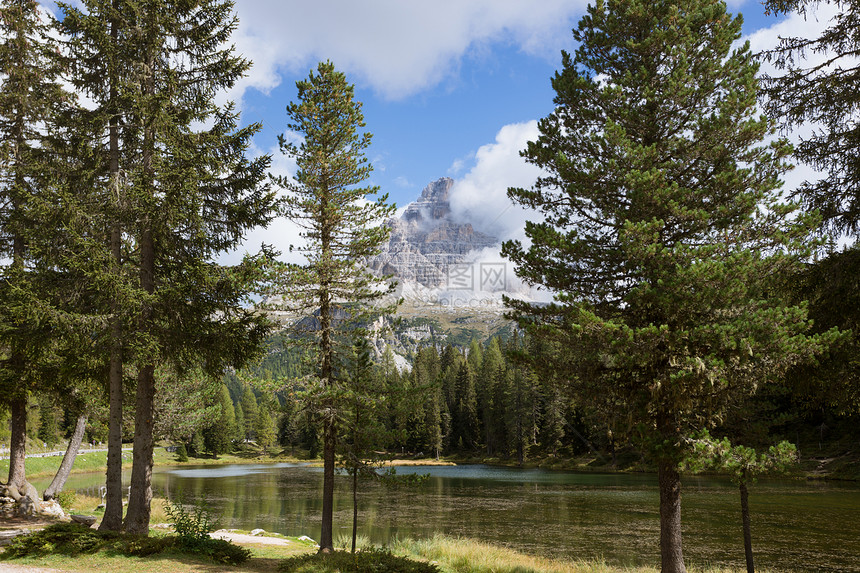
column 190, row 526
column 365, row 561
column 62, row 538
column 66, row 499
column 222, row 551
column 73, row 539
column 140, row 546
column 181, row 453
column 192, row 530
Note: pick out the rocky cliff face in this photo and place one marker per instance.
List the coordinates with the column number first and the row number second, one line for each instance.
column 425, row 243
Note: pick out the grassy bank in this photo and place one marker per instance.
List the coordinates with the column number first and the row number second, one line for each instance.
column 450, row 555
column 97, row 461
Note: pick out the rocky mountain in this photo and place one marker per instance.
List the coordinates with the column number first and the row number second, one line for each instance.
column 425, row 242
column 449, row 275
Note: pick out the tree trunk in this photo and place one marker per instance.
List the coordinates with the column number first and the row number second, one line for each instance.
column 745, row 516
column 68, row 459
column 354, row 506
column 112, row 519
column 140, row 495
column 18, row 442
column 326, row 534
column 671, row 554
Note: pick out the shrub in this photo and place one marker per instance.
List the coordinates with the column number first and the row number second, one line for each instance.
column 66, row 499
column 192, row 530
column 181, row 453
column 190, row 526
column 63, row 538
column 365, row 561
column 222, row 551
column 73, row 539
column 140, row 546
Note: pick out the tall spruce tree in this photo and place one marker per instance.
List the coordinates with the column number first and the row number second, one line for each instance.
column 341, row 228
column 30, row 98
column 662, row 229
column 182, row 192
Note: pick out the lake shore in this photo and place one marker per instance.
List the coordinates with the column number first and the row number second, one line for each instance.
column 90, row 461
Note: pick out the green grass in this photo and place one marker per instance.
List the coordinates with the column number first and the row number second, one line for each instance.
column 455, row 555
column 450, row 555
column 47, row 467
column 97, row 461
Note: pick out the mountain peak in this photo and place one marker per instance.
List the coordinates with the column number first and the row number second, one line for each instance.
column 425, row 242
column 432, row 205
column 437, row 191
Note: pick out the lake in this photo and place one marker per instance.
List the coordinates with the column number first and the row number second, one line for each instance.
column 797, row 525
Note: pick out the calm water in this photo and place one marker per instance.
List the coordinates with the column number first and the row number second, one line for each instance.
column 797, row 526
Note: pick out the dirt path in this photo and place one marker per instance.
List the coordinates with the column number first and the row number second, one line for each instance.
column 6, row 568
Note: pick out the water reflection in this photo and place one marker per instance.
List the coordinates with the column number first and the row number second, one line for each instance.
column 796, row 525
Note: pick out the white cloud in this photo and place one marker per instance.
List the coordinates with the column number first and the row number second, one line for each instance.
column 480, row 196
column 397, row 48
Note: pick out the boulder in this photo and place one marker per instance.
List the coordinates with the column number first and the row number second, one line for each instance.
column 26, row 507
column 52, row 509
column 8, row 535
column 88, row 520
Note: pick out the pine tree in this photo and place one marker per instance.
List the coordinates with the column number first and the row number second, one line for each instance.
column 180, row 194
column 241, row 433
column 48, row 427
column 265, row 430
column 489, row 387
column 363, row 430
column 250, row 411
column 217, row 438
column 826, row 95
column 341, row 229
column 466, row 425
column 30, row 98
column 663, row 228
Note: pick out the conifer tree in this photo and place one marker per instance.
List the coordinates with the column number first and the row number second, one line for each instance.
column 181, row 192
column 466, row 424
column 826, row 94
column 30, row 99
column 663, row 228
column 265, row 429
column 341, row 228
column 489, row 387
column 250, row 412
column 218, row 437
column 241, row 434
column 48, row 427
column 818, row 83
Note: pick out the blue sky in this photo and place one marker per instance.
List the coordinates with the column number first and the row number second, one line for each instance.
column 425, row 131
column 450, row 88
